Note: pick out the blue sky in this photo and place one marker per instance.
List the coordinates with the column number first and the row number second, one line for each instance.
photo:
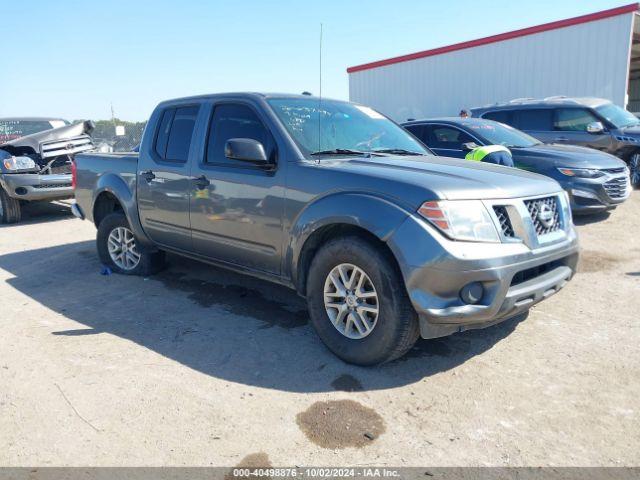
column 74, row 58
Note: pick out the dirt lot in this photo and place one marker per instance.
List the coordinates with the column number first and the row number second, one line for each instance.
column 198, row 366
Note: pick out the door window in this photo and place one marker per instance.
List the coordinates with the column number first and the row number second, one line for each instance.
column 573, row 119
column 448, row 137
column 419, row 131
column 502, row 116
column 175, row 132
column 536, row 119
column 235, row 121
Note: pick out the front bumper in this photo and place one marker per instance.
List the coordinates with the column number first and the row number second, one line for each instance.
column 32, row 186
column 514, row 276
column 597, row 194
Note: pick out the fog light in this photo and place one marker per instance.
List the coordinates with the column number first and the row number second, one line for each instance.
column 21, row 191
column 472, row 293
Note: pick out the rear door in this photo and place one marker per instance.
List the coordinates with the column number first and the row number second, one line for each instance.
column 236, row 206
column 164, row 178
column 570, row 127
column 537, row 122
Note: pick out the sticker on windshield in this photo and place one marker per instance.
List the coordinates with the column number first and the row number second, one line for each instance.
column 370, row 112
column 57, row 123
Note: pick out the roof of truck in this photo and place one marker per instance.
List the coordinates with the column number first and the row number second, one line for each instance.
column 248, row 95
column 559, row 100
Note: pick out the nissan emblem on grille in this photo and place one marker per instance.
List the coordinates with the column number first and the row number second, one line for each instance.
column 545, row 215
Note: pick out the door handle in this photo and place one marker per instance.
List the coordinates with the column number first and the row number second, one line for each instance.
column 148, row 175
column 561, row 139
column 202, row 182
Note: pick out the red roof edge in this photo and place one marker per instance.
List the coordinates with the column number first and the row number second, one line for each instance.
column 633, row 7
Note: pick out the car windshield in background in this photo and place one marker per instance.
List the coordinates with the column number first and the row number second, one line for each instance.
column 13, row 129
column 342, row 128
column 617, row 116
column 499, row 134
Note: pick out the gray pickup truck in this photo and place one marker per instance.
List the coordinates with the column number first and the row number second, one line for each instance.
column 35, row 161
column 386, row 241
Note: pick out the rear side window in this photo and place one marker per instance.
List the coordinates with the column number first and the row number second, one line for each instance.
column 175, row 133
column 419, row 131
column 448, row 137
column 235, row 121
column 502, row 116
column 534, row 119
column 573, row 119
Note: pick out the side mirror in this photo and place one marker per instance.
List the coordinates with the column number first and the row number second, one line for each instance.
column 595, row 127
column 246, row 150
column 467, row 147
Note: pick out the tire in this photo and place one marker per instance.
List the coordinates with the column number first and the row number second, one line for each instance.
column 10, row 211
column 147, row 263
column 634, row 170
column 395, row 328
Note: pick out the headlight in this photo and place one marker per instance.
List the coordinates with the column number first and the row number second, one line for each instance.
column 461, row 220
column 19, row 163
column 581, row 172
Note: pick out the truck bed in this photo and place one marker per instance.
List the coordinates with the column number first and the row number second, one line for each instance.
column 95, row 169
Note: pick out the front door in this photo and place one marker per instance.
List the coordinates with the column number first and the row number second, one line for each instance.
column 570, row 127
column 164, row 179
column 237, row 207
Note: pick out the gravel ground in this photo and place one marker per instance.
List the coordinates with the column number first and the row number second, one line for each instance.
column 199, row 366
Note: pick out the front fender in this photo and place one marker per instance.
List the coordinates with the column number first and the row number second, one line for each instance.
column 124, row 192
column 377, row 215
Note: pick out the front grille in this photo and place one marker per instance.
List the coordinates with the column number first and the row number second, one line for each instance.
column 545, row 215
column 53, row 185
column 68, row 146
column 505, row 223
column 616, row 187
column 613, row 170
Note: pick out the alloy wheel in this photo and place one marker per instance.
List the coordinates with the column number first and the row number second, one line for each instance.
column 122, row 248
column 351, row 301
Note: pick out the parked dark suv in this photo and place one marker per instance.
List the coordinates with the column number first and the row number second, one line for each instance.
column 590, row 122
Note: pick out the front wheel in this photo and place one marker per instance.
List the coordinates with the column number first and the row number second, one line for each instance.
column 119, row 249
column 10, row 211
column 358, row 303
column 634, row 170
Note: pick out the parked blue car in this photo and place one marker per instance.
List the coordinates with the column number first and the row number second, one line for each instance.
column 594, row 180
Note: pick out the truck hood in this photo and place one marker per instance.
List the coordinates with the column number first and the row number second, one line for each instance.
column 568, row 156
column 35, row 141
column 445, row 178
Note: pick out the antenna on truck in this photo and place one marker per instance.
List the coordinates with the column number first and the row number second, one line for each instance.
column 320, row 95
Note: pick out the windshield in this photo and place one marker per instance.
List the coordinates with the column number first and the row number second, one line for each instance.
column 499, row 134
column 617, row 116
column 344, row 128
column 13, row 129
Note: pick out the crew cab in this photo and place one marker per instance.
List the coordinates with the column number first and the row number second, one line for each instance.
column 386, row 241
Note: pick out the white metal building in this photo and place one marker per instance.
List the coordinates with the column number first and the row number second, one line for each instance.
column 595, row 55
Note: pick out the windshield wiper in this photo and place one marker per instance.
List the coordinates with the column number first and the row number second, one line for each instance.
column 341, row 151
column 398, row 151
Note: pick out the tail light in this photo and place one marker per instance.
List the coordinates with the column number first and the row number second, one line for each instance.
column 74, row 174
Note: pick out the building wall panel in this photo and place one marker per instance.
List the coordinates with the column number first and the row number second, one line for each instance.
column 589, row 59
